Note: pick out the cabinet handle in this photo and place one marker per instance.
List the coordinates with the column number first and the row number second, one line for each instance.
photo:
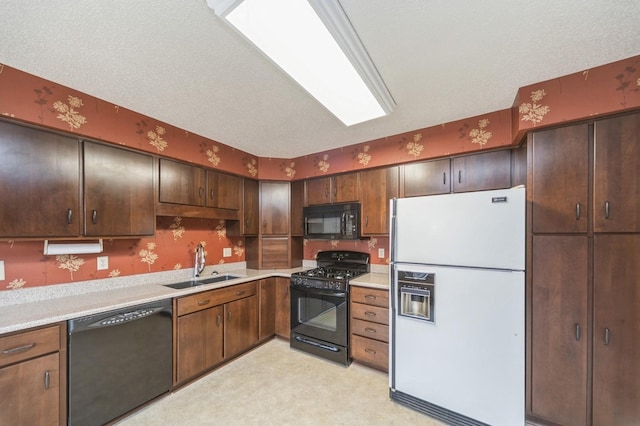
column 94, row 216
column 69, row 216
column 246, row 223
column 577, row 332
column 577, row 211
column 218, row 320
column 335, row 191
column 370, row 297
column 200, row 192
column 444, row 178
column 18, row 349
column 211, row 194
column 229, row 316
column 607, row 210
column 370, row 330
column 326, row 193
column 366, row 221
column 286, row 291
column 204, row 302
column 240, row 293
column 47, row 379
column 370, row 351
column 607, row 336
column 459, row 176
column 370, row 314
column 264, row 223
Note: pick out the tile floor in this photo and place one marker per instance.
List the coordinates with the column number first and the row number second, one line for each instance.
column 276, row 385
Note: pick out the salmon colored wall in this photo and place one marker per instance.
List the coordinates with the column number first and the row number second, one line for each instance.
column 602, row 90
column 173, row 247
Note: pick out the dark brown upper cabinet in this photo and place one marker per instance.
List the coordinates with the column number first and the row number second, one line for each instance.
column 332, row 189
column 560, row 188
column 479, row 172
column 54, row 186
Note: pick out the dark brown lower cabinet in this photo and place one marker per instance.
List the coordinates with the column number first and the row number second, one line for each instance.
column 283, row 307
column 582, row 375
column 267, row 290
column 241, row 325
column 616, row 332
column 199, row 340
column 559, row 329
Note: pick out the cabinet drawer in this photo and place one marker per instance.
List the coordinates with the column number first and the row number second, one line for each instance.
column 370, row 329
column 207, row 299
column 370, row 296
column 370, row 313
column 371, row 352
column 29, row 344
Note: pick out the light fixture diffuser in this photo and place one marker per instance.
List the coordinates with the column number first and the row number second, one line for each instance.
column 313, row 41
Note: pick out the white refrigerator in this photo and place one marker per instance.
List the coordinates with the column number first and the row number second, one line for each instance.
column 457, row 306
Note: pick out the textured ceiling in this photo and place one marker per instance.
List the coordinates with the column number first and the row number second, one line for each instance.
column 442, row 60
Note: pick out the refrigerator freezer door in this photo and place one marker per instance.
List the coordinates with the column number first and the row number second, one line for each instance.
column 471, row 360
column 480, row 229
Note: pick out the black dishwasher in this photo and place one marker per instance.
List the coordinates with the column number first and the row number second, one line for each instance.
column 117, row 361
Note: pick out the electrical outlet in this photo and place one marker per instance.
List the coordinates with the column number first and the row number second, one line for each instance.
column 103, row 262
column 1, row 270
column 380, row 253
column 226, row 252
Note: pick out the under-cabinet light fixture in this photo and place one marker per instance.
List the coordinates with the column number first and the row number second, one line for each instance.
column 313, row 41
column 77, row 247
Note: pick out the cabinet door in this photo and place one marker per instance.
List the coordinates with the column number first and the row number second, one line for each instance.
column 283, row 308
column 616, row 333
column 560, row 180
column 345, row 188
column 274, row 208
column 318, row 190
column 617, row 174
column 181, row 183
column 297, row 204
column 251, row 199
column 427, row 178
column 223, row 190
column 199, row 342
column 267, row 308
column 241, row 325
column 118, row 192
column 559, row 329
column 39, row 183
column 31, row 392
column 377, row 187
column 479, row 172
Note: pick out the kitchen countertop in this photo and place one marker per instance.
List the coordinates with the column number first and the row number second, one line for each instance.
column 32, row 307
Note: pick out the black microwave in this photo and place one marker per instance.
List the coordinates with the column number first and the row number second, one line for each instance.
column 332, row 221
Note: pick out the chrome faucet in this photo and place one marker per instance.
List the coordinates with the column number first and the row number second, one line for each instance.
column 200, row 260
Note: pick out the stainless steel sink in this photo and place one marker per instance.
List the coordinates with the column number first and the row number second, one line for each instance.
column 198, row 282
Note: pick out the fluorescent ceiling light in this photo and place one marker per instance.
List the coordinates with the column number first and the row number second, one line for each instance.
column 314, row 42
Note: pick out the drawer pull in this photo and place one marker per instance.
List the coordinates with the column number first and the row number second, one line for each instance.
column 370, row 351
column 69, row 216
column 240, row 293
column 370, row 330
column 18, row 349
column 219, row 320
column 94, row 216
column 47, row 379
column 204, row 302
column 370, row 314
column 370, row 297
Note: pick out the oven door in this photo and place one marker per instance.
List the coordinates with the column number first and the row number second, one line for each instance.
column 320, row 314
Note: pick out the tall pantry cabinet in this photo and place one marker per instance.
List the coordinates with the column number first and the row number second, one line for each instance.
column 584, row 273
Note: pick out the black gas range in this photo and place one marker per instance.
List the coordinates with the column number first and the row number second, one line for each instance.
column 320, row 304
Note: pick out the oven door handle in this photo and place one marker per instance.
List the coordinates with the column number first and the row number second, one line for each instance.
column 322, row 292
